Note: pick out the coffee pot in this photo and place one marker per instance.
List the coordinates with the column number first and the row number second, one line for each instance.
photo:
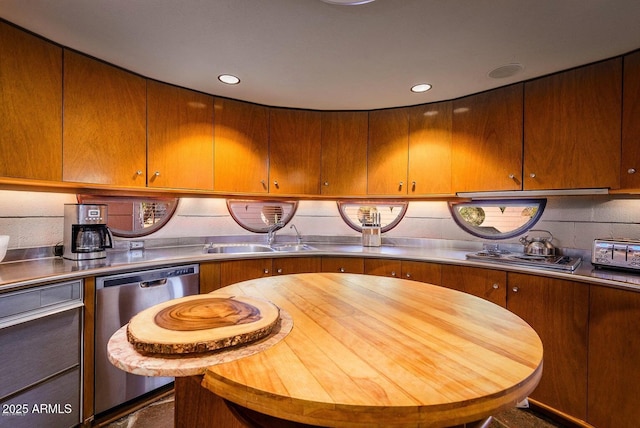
column 86, row 235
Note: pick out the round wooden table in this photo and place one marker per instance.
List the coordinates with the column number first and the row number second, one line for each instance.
column 373, row 351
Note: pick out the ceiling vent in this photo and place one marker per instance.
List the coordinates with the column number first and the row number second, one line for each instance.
column 506, row 71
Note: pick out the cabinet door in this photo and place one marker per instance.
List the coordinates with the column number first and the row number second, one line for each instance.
column 388, row 147
column 487, row 141
column 613, row 358
column 489, row 284
column 558, row 311
column 294, row 151
column 383, row 267
column 105, row 123
column 291, row 265
column 344, row 153
column 342, row 264
column 180, row 137
column 30, row 106
column 241, row 145
column 430, row 149
column 209, row 277
column 630, row 171
column 421, row 271
column 241, row 270
column 572, row 128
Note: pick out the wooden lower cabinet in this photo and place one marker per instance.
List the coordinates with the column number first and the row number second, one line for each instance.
column 614, row 371
column 383, row 267
column 291, row 265
column 407, row 269
column 558, row 310
column 233, row 271
column 342, row 264
column 489, row 284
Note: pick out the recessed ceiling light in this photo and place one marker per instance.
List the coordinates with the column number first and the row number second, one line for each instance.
column 422, row 87
column 348, row 2
column 229, row 79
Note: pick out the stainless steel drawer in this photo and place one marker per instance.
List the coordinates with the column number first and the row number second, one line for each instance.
column 23, row 305
column 35, row 350
column 53, row 403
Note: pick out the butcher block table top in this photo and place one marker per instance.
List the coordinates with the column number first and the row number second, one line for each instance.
column 375, row 351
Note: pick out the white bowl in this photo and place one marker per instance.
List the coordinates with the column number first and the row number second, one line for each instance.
column 4, row 243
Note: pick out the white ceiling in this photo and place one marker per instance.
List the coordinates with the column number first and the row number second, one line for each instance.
column 309, row 54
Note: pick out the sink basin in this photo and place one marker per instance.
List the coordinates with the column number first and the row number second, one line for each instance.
column 238, row 248
column 293, row 247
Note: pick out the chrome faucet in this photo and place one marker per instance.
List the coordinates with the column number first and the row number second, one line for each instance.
column 298, row 236
column 271, row 232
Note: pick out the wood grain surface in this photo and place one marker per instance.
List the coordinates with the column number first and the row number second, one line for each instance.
column 374, row 351
column 201, row 324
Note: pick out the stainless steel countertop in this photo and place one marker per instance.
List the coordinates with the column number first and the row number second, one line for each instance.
column 21, row 274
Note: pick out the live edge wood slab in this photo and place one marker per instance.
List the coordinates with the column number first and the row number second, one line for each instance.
column 370, row 351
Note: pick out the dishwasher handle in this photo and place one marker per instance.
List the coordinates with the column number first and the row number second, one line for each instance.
column 154, row 283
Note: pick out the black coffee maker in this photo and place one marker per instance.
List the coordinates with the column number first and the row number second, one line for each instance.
column 86, row 235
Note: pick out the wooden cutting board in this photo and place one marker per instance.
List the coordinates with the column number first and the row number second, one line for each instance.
column 201, row 323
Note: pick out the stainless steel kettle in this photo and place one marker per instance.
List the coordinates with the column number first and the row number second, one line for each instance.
column 538, row 246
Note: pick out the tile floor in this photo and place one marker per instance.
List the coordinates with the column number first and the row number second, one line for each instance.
column 160, row 415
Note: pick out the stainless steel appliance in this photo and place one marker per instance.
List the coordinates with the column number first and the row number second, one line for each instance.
column 506, row 257
column 40, row 351
column 118, row 298
column 86, row 235
column 616, row 253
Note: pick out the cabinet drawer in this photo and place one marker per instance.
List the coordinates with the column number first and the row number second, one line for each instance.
column 22, row 304
column 35, row 350
column 54, row 403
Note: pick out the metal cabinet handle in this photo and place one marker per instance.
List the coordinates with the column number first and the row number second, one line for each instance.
column 341, row 270
column 326, row 183
column 157, row 173
column 275, row 183
column 631, row 171
column 139, row 172
column 279, row 270
column 393, row 273
column 413, row 185
column 266, row 271
column 400, row 185
column 495, row 286
column 532, row 175
column 515, row 289
column 264, row 185
column 408, row 275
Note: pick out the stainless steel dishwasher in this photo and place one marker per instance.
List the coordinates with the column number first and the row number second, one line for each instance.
column 118, row 299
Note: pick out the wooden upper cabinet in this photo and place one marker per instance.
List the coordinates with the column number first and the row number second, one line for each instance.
column 572, row 128
column 104, row 122
column 344, row 153
column 241, row 147
column 487, row 141
column 388, row 152
column 430, row 149
column 294, row 151
column 30, row 106
column 630, row 170
column 180, row 137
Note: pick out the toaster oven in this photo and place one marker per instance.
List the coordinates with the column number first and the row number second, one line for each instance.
column 616, row 253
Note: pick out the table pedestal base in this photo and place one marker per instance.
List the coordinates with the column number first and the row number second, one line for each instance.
column 196, row 406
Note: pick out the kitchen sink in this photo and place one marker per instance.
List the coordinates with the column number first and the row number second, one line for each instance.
column 238, row 248
column 293, row 247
